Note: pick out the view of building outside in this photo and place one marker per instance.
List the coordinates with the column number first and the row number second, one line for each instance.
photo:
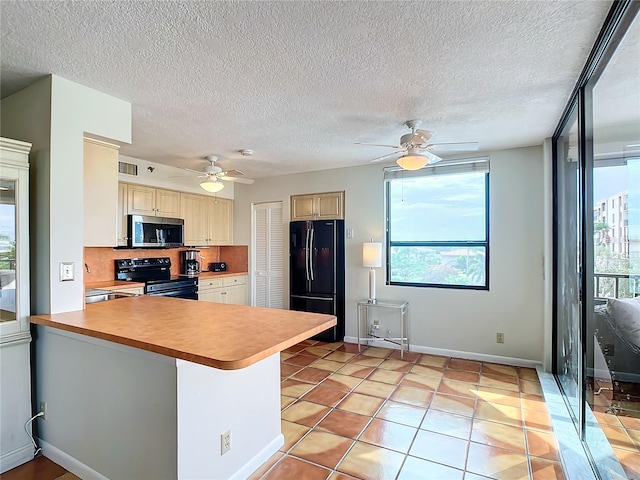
column 616, row 224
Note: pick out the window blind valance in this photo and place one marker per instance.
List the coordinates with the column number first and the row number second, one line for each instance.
column 445, row 167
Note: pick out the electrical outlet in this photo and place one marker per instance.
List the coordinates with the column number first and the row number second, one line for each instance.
column 500, row 337
column 376, row 324
column 43, row 409
column 225, row 442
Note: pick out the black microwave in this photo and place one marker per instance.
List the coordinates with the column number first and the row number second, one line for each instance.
column 153, row 232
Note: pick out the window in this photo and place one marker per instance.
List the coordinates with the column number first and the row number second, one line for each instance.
column 438, row 225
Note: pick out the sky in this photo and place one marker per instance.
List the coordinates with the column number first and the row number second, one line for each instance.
column 608, row 181
column 438, row 208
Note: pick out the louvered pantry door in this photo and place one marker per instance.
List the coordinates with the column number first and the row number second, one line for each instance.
column 268, row 255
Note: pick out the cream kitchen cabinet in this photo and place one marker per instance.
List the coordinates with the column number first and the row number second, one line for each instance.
column 207, row 220
column 231, row 290
column 143, row 200
column 317, row 206
column 101, row 222
column 121, row 218
column 132, row 290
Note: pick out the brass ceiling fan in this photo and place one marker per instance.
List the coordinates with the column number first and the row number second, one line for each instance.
column 415, row 150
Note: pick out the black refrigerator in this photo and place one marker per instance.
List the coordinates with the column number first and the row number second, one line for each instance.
column 316, row 277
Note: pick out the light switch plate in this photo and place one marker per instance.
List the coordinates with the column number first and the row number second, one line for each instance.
column 349, row 232
column 66, row 271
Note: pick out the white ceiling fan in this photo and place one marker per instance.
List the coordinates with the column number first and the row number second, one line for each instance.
column 213, row 174
column 416, row 151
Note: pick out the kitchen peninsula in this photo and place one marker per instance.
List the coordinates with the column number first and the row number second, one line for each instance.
column 144, row 387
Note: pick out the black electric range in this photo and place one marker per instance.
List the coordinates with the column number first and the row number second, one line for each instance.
column 156, row 275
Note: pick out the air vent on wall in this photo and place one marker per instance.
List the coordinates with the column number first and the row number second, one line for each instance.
column 127, row 168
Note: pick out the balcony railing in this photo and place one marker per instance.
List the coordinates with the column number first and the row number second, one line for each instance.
column 613, row 285
column 8, row 264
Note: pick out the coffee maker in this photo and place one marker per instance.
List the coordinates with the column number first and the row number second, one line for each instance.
column 190, row 262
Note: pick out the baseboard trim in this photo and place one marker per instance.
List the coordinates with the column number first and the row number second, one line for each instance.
column 69, row 463
column 252, row 465
column 85, row 472
column 16, row 457
column 482, row 357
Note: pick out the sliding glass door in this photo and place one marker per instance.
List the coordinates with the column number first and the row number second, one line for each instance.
column 597, row 247
column 568, row 361
column 613, row 322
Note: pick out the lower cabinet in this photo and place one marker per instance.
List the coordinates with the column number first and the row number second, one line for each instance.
column 132, row 291
column 231, row 290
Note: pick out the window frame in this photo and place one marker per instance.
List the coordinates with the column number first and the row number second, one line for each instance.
column 461, row 243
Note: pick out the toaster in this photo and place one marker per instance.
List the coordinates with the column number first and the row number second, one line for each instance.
column 218, row 267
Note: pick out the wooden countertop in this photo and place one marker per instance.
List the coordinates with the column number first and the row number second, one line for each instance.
column 112, row 285
column 228, row 337
column 219, row 274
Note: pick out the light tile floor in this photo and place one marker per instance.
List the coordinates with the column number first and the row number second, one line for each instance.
column 621, row 426
column 375, row 416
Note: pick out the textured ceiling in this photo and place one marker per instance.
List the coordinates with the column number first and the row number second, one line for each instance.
column 300, row 82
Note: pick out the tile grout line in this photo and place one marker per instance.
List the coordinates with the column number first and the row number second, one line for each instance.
column 447, row 368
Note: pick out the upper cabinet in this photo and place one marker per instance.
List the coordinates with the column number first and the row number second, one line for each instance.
column 317, row 206
column 143, row 200
column 207, row 220
column 221, row 221
column 121, row 218
column 100, row 193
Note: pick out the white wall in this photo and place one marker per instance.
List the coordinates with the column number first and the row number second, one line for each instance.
column 26, row 116
column 462, row 320
column 73, row 111
column 164, row 176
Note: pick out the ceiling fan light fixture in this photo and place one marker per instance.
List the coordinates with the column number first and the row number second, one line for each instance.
column 413, row 161
column 212, row 186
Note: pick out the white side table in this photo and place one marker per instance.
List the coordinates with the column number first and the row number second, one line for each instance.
column 364, row 307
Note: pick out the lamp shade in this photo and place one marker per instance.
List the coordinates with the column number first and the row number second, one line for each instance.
column 372, row 254
column 212, row 186
column 413, row 161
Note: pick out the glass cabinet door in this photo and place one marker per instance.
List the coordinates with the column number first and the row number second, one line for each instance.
column 7, row 251
column 14, row 240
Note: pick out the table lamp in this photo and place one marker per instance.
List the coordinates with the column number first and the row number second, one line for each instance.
column 372, row 258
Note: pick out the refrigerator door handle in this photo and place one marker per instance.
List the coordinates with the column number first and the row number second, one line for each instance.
column 306, row 255
column 311, row 255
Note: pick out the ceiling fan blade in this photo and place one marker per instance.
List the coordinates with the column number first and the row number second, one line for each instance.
column 433, row 158
column 199, row 172
column 246, row 181
column 454, row 147
column 423, row 136
column 383, row 157
column 377, row 145
column 231, row 173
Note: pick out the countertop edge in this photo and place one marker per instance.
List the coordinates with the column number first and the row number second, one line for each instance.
column 119, row 284
column 211, row 362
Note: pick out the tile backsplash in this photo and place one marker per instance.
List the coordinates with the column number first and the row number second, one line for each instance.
column 100, row 260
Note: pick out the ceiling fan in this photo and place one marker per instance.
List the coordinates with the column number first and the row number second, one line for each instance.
column 213, row 174
column 416, row 151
